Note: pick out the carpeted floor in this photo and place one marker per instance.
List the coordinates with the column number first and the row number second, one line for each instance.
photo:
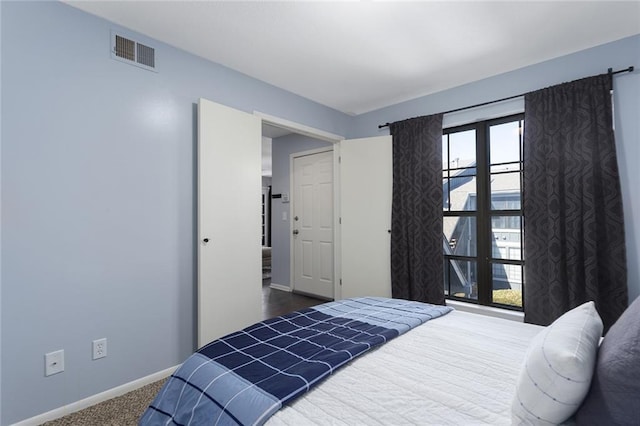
column 121, row 411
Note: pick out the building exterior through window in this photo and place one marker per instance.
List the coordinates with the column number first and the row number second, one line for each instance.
column 483, row 224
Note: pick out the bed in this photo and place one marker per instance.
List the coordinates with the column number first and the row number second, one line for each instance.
column 450, row 367
column 458, row 369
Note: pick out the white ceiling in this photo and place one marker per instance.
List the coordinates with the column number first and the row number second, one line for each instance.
column 360, row 56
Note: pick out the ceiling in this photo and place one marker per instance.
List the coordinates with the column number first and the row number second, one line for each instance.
column 356, row 57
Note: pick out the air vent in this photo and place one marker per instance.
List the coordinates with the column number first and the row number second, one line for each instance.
column 132, row 52
column 125, row 48
column 146, row 55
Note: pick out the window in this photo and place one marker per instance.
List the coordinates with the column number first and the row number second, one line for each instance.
column 483, row 223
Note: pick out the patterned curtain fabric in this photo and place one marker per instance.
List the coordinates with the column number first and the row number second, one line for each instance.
column 416, row 213
column 574, row 238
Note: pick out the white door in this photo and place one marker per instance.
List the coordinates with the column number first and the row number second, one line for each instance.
column 366, row 177
column 229, row 220
column 312, row 224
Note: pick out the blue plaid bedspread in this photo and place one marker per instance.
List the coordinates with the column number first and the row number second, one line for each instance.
column 245, row 377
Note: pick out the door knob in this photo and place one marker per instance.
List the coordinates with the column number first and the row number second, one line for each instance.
column 206, row 240
column 296, row 232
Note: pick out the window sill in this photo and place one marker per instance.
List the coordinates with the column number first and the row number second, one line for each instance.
column 486, row 310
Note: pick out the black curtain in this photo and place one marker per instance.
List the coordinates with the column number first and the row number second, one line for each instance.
column 574, row 238
column 416, row 213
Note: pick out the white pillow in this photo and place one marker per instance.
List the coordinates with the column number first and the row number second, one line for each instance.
column 558, row 368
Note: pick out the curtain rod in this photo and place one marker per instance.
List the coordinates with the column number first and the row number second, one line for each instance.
column 610, row 71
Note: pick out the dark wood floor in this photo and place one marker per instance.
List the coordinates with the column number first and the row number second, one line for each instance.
column 278, row 302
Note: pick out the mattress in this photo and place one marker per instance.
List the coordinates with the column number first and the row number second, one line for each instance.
column 460, row 369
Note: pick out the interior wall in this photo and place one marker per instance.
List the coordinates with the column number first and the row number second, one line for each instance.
column 98, row 201
column 282, row 148
column 618, row 55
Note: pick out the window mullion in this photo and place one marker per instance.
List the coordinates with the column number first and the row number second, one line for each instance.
column 484, row 217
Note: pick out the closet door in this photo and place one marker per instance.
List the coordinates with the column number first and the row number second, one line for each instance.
column 229, row 220
column 365, row 212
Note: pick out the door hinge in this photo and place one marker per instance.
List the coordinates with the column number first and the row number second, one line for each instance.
column 339, row 159
column 340, row 220
column 340, row 282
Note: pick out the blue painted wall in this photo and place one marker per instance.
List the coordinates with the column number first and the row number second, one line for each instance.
column 98, row 191
column 618, row 55
column 98, row 201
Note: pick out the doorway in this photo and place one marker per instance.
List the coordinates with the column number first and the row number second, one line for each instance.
column 288, row 138
column 228, row 296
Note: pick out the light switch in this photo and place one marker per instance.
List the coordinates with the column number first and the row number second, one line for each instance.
column 284, row 215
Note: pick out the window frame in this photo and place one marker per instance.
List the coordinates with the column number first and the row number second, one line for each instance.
column 485, row 213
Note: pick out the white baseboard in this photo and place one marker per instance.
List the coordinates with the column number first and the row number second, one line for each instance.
column 280, row 287
column 96, row 399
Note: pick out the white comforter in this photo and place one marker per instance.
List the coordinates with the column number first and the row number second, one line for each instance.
column 459, row 369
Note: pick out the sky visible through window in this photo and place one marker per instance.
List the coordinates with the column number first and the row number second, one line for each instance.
column 504, row 146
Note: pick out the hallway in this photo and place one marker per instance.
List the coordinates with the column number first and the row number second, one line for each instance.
column 278, row 302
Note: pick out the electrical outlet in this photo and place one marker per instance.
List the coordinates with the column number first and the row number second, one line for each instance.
column 100, row 348
column 54, row 362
